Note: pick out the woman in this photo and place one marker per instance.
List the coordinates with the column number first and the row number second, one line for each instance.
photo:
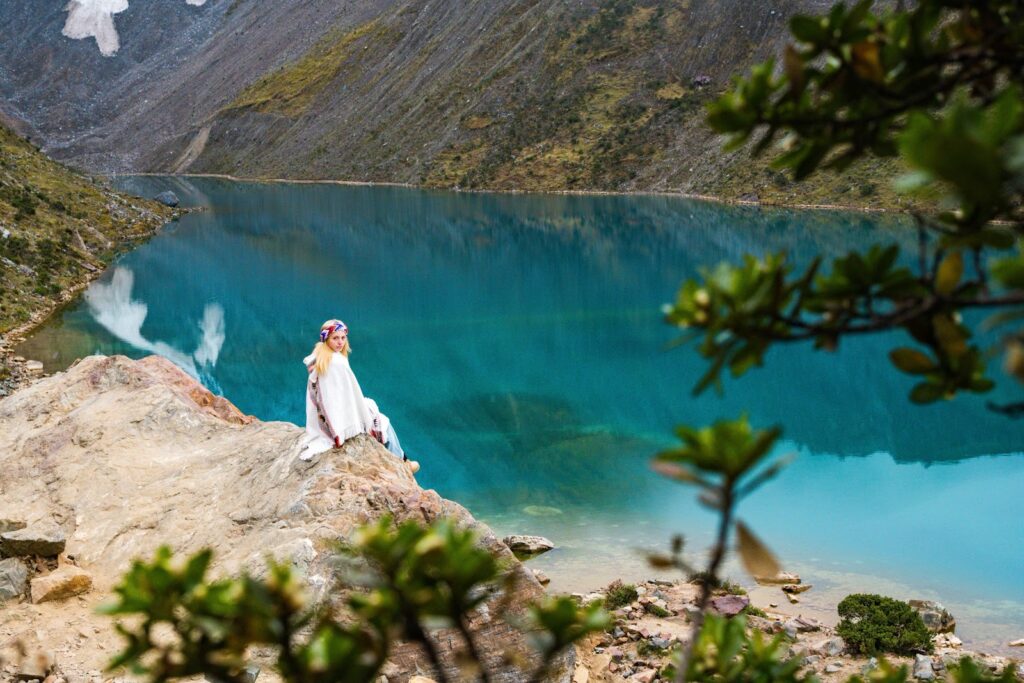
column 336, row 409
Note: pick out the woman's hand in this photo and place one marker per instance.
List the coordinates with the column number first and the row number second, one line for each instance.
column 377, row 435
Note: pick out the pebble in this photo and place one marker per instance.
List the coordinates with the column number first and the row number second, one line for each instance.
column 1017, row 643
column 833, row 668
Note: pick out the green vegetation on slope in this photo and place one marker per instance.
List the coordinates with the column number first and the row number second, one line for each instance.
column 596, row 120
column 57, row 229
column 291, row 89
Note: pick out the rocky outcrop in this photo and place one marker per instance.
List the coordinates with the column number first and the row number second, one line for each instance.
column 123, row 456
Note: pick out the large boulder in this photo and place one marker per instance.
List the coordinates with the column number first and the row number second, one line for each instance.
column 936, row 618
column 527, row 546
column 13, row 579
column 127, row 455
column 167, row 198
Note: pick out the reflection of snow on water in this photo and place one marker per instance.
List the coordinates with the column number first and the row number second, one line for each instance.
column 113, row 308
column 95, row 19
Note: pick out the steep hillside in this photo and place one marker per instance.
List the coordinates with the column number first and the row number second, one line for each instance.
column 510, row 94
column 57, row 228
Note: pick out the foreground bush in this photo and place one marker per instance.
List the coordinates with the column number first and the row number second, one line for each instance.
column 414, row 579
column 873, row 624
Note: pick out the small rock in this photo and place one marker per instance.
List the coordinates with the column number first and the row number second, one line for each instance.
column 35, row 666
column 615, row 653
column 542, row 578
column 13, row 579
column 167, row 198
column 936, row 618
column 923, row 668
column 796, row 587
column 45, row 542
column 773, row 605
column 781, row 577
column 801, row 625
column 833, row 668
column 811, row 660
column 528, row 545
column 870, row 666
column 64, row 582
column 729, row 605
column 34, row 366
column 792, row 598
column 645, row 675
column 829, row 647
column 1015, row 643
column 948, row 641
column 994, row 663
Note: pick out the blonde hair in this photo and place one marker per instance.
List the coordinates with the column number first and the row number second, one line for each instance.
column 322, row 352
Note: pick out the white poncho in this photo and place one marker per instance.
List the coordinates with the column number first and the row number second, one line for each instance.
column 345, row 413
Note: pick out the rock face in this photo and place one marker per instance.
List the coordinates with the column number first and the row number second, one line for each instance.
column 122, row 458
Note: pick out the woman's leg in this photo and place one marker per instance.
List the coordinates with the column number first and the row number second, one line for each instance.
column 391, row 442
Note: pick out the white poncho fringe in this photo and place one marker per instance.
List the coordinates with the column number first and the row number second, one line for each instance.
column 345, row 412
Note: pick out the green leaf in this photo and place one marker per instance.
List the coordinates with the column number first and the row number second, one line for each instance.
column 949, row 273
column 926, row 392
column 757, row 559
column 807, row 29
column 911, row 361
column 952, row 337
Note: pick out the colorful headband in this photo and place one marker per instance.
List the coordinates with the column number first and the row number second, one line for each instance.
column 335, row 325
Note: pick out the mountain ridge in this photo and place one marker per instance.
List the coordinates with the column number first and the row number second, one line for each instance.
column 597, row 95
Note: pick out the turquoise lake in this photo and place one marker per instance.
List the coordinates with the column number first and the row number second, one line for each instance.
column 516, row 342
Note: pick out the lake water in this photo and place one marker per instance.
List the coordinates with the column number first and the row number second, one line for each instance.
column 517, row 345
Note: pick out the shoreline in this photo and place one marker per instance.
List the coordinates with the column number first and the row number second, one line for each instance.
column 566, row 193
column 18, row 373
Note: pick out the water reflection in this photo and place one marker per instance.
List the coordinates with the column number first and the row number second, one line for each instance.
column 112, row 307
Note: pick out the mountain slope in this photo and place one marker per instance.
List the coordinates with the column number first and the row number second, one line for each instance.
column 57, row 229
column 510, row 94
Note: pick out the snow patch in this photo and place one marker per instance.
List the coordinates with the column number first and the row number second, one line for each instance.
column 112, row 306
column 95, row 19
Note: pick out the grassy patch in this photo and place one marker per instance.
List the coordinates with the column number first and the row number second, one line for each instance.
column 620, row 594
column 291, row 89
